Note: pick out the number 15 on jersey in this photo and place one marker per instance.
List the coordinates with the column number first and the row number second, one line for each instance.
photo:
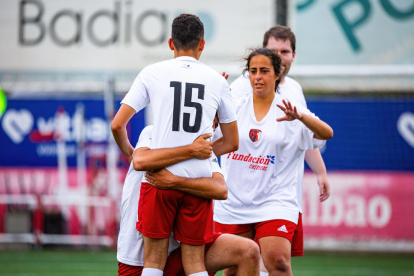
column 188, row 103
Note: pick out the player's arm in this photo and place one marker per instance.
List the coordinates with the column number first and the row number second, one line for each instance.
column 146, row 159
column 118, row 127
column 206, row 187
column 314, row 160
column 320, row 129
column 227, row 117
column 229, row 141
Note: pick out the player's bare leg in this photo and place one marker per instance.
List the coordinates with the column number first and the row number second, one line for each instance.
column 193, row 258
column 276, row 255
column 155, row 253
column 231, row 271
column 239, row 253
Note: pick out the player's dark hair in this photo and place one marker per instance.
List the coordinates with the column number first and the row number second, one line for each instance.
column 187, row 31
column 271, row 55
column 280, row 33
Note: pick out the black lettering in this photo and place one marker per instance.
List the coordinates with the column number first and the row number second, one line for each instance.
column 78, row 33
column 114, row 16
column 23, row 20
column 188, row 103
column 128, row 23
column 199, row 108
column 177, row 105
column 138, row 28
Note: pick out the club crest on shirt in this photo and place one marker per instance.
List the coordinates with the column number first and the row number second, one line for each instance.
column 255, row 134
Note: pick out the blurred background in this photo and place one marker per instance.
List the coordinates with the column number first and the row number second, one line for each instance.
column 65, row 66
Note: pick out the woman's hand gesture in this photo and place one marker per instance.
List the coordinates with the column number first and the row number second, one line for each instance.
column 291, row 113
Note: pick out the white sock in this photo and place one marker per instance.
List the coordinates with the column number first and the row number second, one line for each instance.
column 264, row 273
column 152, row 272
column 202, row 273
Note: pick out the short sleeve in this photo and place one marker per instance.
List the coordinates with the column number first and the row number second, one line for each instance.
column 301, row 96
column 306, row 141
column 145, row 138
column 241, row 87
column 226, row 113
column 137, row 96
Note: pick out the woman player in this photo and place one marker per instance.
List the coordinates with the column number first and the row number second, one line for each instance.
column 261, row 175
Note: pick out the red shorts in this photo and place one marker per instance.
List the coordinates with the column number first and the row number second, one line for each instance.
column 173, row 267
column 276, row 227
column 161, row 212
column 297, row 241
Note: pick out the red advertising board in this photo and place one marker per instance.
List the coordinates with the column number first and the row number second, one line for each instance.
column 362, row 206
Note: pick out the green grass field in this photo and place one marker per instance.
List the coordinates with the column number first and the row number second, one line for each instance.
column 47, row 263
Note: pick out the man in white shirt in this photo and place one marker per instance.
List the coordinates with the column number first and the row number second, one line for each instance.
column 185, row 96
column 282, row 40
column 225, row 251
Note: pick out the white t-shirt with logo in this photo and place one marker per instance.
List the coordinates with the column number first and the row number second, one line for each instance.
column 262, row 175
column 290, row 90
column 130, row 241
column 185, row 95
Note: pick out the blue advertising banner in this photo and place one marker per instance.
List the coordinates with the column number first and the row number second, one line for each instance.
column 28, row 130
column 369, row 134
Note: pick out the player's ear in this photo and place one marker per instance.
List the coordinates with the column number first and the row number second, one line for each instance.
column 293, row 56
column 171, row 44
column 201, row 45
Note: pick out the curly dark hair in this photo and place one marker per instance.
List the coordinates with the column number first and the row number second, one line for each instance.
column 271, row 55
column 187, row 31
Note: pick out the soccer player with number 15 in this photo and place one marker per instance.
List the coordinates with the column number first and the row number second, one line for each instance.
column 185, row 96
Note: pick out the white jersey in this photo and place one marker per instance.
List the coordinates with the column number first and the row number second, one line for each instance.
column 290, row 90
column 130, row 241
column 185, row 95
column 262, row 175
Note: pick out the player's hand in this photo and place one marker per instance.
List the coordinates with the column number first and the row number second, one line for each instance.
column 226, row 76
column 324, row 188
column 291, row 113
column 201, row 147
column 162, row 179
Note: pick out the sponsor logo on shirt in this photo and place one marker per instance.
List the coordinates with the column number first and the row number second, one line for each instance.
column 255, row 134
column 257, row 163
column 186, row 66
